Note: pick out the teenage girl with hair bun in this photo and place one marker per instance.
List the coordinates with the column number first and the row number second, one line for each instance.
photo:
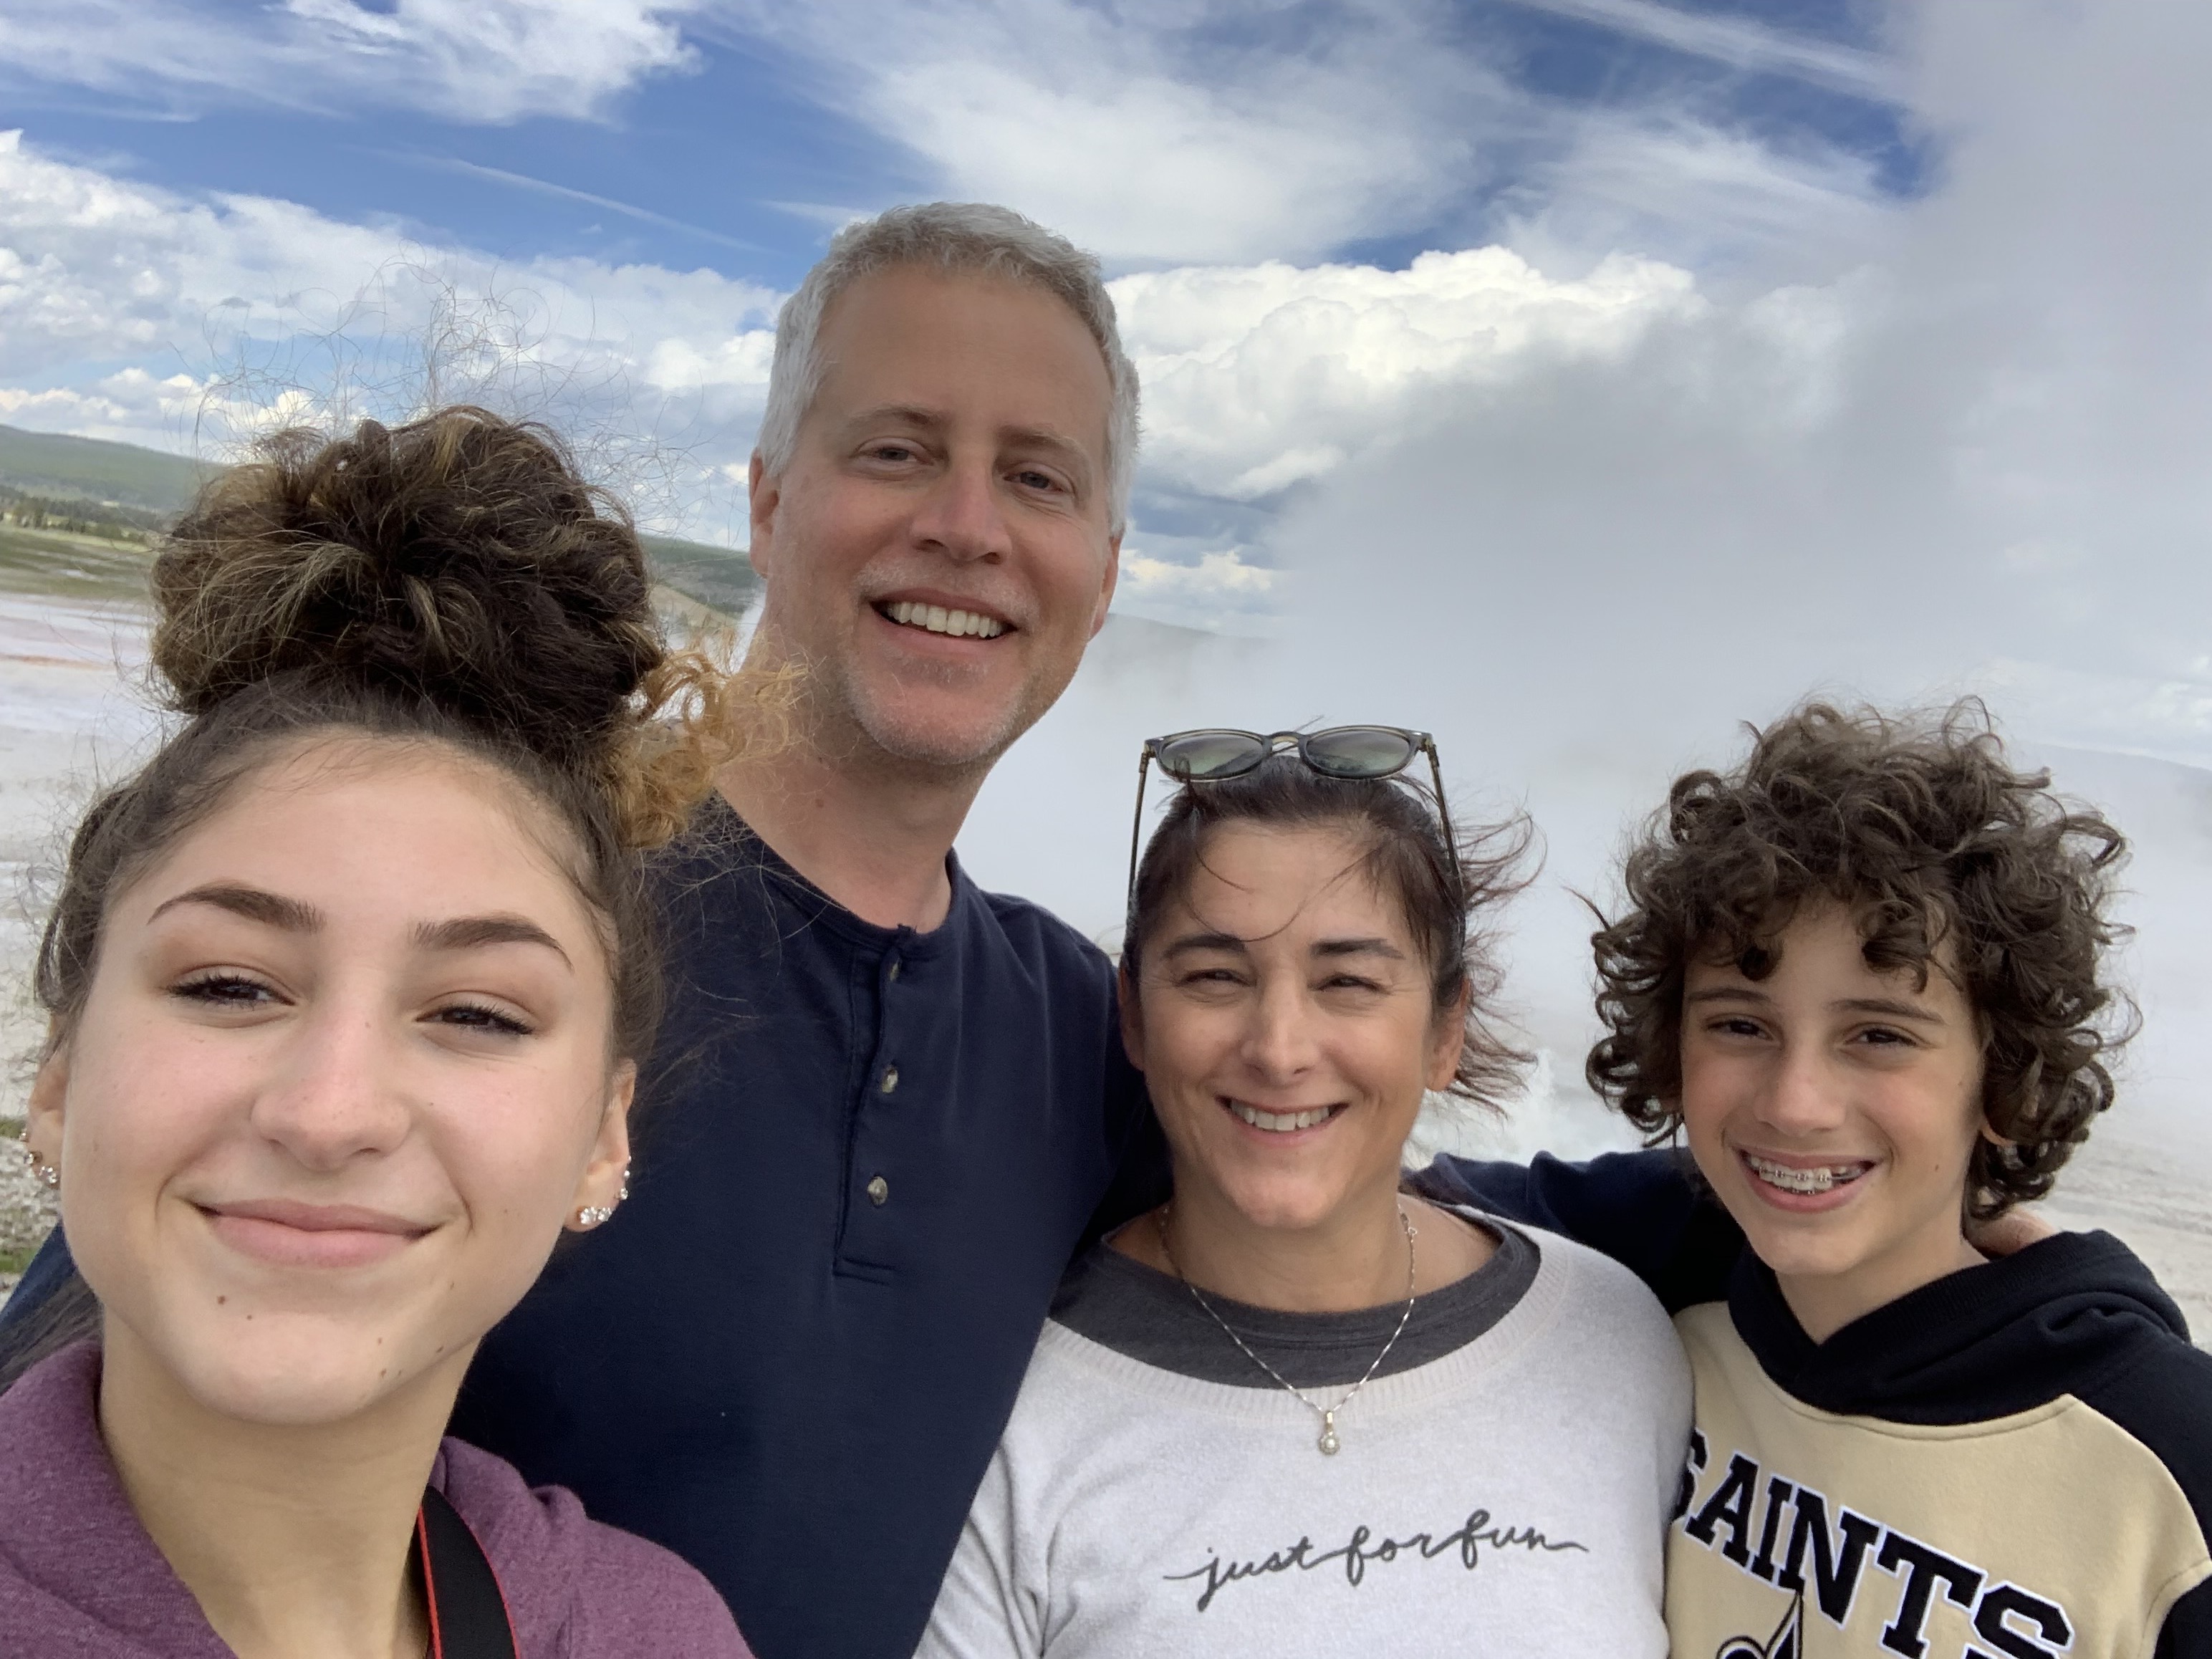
column 347, row 988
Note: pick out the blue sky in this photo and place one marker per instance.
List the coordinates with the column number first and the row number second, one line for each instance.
column 734, row 149
column 624, row 189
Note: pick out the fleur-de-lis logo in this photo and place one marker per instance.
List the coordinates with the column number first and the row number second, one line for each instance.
column 1788, row 1641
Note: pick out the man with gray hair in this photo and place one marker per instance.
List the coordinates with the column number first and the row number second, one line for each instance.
column 885, row 1106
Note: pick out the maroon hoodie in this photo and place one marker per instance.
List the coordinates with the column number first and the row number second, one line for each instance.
column 80, row 1579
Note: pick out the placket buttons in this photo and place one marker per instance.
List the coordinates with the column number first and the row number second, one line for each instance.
column 895, row 968
column 879, row 1192
column 890, row 1079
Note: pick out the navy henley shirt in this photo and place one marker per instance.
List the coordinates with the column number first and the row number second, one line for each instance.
column 865, row 1155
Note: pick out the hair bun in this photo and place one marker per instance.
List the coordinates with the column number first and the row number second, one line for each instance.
column 458, row 558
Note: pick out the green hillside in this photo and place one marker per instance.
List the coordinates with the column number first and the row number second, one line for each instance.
column 92, row 469
column 720, row 578
column 74, row 513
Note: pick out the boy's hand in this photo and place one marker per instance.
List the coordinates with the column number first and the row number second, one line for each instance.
column 2009, row 1233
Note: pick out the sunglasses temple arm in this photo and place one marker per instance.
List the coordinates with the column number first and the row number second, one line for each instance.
column 1136, row 833
column 1443, row 817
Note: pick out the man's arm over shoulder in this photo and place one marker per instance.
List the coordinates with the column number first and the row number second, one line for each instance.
column 1645, row 1209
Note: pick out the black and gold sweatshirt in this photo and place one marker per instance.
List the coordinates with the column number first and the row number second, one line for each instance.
column 2012, row 1463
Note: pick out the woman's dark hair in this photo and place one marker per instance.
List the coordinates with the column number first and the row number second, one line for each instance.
column 453, row 583
column 1952, row 861
column 1403, row 852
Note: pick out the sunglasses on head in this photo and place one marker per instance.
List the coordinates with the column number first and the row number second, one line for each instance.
column 1211, row 754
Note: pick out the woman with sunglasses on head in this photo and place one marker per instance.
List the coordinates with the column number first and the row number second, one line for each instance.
column 347, row 989
column 1296, row 1410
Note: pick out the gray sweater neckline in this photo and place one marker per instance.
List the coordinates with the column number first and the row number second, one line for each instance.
column 1151, row 1317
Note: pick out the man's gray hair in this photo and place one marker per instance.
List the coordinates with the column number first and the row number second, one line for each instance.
column 965, row 236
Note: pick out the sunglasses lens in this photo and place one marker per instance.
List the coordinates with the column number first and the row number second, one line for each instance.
column 1200, row 755
column 1359, row 752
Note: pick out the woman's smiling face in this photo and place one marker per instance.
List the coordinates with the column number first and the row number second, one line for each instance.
column 1835, row 1110
column 343, row 1072
column 1285, row 1026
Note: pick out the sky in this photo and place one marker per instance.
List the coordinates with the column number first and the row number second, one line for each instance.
column 1576, row 378
column 1322, row 215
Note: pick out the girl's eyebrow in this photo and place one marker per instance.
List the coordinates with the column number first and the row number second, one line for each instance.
column 293, row 915
column 254, row 904
column 473, row 933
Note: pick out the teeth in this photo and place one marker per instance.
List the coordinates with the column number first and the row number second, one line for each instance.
column 1808, row 1182
column 1281, row 1123
column 936, row 619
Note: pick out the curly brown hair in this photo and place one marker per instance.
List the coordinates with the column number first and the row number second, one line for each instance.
column 1919, row 825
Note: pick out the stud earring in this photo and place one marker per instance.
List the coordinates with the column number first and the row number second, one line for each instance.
column 592, row 1215
column 624, row 1194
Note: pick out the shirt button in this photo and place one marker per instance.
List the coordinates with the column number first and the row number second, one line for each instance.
column 890, row 1079
column 895, row 968
column 879, row 1191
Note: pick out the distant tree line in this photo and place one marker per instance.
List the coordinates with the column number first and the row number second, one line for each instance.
column 78, row 516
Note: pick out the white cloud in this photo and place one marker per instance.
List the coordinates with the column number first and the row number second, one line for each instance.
column 1140, row 131
column 1256, row 378
column 217, row 306
column 1130, row 132
column 1967, row 454
column 127, row 406
column 1218, row 591
column 98, row 267
column 1714, row 199
column 1221, row 572
column 1738, row 42
column 470, row 60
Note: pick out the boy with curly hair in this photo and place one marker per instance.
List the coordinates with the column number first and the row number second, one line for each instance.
column 1862, row 975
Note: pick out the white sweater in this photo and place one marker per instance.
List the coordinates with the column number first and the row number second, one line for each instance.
column 1509, row 1500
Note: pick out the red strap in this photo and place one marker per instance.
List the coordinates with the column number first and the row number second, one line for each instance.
column 466, row 1603
column 429, row 1585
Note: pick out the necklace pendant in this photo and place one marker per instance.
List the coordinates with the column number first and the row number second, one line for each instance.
column 1328, row 1441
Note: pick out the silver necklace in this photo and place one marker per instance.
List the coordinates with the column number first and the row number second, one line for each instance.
column 1328, row 1442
